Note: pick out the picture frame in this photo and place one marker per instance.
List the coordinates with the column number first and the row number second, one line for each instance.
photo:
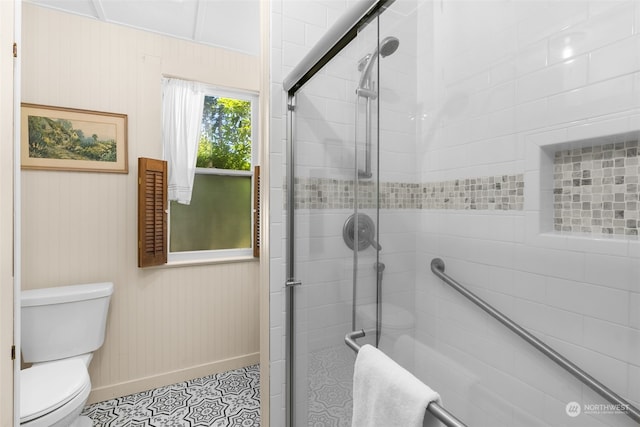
column 70, row 139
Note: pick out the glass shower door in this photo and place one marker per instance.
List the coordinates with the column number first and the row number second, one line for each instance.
column 329, row 279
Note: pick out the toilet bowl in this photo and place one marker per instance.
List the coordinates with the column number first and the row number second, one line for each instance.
column 54, row 393
column 61, row 328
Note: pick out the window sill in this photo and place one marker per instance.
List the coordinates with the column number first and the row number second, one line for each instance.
column 193, row 263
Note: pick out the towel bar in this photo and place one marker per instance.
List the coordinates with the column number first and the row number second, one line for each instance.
column 436, row 410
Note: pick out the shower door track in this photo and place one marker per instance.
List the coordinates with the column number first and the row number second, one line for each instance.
column 437, row 267
column 334, row 40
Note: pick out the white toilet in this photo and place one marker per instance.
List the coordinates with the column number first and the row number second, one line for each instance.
column 61, row 328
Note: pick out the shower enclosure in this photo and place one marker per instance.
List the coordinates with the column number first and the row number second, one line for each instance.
column 502, row 138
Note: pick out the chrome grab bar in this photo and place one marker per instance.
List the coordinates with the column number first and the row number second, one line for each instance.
column 444, row 416
column 437, row 266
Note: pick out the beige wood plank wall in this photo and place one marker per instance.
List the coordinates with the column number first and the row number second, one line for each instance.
column 165, row 324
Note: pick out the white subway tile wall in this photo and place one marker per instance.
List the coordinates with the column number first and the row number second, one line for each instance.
column 478, row 89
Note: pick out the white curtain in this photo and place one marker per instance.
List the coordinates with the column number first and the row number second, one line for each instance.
column 182, row 104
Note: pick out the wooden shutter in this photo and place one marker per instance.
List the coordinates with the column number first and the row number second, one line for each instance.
column 152, row 212
column 256, row 211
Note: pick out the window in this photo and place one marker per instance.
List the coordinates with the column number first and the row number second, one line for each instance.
column 219, row 222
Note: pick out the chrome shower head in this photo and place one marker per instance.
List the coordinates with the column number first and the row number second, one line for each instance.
column 386, row 47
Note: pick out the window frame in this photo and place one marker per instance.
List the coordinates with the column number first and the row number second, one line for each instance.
column 226, row 254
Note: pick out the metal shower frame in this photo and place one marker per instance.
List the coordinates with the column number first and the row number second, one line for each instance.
column 335, row 39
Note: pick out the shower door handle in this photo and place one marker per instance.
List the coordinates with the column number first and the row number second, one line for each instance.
column 292, row 282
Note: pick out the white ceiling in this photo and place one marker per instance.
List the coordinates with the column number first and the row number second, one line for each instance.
column 232, row 24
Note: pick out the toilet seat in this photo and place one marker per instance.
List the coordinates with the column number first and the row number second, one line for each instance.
column 47, row 387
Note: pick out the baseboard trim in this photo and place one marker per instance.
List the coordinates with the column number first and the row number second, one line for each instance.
column 101, row 394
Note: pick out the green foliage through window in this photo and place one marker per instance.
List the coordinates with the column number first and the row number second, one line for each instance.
column 225, row 141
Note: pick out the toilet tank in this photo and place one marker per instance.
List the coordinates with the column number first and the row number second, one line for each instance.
column 64, row 321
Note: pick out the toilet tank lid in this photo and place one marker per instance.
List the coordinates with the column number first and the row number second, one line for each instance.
column 62, row 294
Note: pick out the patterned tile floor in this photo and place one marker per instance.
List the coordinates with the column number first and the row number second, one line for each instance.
column 229, row 399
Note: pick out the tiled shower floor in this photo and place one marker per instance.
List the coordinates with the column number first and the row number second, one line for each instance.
column 330, row 376
column 229, row 399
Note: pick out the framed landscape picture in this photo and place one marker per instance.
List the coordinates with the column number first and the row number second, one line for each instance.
column 58, row 138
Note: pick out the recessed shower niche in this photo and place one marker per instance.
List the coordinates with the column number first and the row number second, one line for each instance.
column 595, row 185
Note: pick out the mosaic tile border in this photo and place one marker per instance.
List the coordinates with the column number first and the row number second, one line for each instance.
column 596, row 189
column 503, row 192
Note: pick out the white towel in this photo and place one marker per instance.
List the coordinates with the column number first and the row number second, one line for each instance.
column 387, row 395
